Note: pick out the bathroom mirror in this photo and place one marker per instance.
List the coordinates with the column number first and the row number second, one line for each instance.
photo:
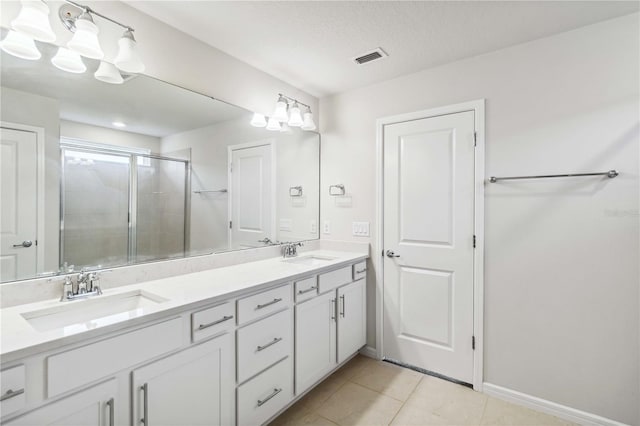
column 97, row 175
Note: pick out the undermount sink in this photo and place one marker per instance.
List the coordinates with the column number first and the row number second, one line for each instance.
column 91, row 313
column 309, row 260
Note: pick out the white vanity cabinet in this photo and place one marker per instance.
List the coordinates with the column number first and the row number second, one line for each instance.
column 94, row 406
column 352, row 319
column 192, row 387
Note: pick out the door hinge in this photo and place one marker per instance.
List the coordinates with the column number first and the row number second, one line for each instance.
column 473, row 343
column 475, row 138
column 230, row 224
column 474, row 241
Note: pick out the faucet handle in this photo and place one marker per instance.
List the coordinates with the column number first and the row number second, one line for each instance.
column 94, row 282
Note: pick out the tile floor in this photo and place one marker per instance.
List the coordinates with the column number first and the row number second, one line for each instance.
column 370, row 392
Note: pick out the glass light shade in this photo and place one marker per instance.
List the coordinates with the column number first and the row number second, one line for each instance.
column 108, row 73
column 280, row 113
column 284, row 128
column 69, row 61
column 33, row 21
column 18, row 44
column 128, row 59
column 295, row 117
column 258, row 120
column 308, row 123
column 273, row 124
column 85, row 39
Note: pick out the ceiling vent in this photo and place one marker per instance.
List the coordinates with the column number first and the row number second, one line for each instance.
column 371, row 56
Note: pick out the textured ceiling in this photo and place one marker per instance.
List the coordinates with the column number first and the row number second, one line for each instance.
column 310, row 44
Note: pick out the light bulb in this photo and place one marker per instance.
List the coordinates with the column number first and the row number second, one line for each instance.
column 69, row 61
column 308, row 123
column 85, row 39
column 21, row 46
column 280, row 113
column 273, row 124
column 128, row 59
column 258, row 120
column 295, row 118
column 108, row 73
column 33, row 21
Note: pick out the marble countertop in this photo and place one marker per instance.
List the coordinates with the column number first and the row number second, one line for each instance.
column 19, row 338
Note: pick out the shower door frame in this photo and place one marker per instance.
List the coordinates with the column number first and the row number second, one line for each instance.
column 132, row 154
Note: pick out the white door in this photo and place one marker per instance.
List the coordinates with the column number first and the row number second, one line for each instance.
column 18, row 166
column 352, row 319
column 315, row 340
column 252, row 196
column 192, row 387
column 429, row 227
column 95, row 406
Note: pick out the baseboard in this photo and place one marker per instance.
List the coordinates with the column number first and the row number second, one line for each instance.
column 545, row 406
column 369, row 351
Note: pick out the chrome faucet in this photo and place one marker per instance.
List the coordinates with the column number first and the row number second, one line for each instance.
column 87, row 284
column 290, row 249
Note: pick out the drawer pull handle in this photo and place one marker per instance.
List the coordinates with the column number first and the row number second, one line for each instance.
column 145, row 407
column 342, row 313
column 307, row 290
column 111, row 404
column 211, row 324
column 271, row 343
column 263, row 401
column 333, row 309
column 269, row 303
column 361, row 271
column 11, row 393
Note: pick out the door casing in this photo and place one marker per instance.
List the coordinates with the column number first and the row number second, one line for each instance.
column 478, row 107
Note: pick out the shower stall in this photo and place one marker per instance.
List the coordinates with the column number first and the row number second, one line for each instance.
column 121, row 206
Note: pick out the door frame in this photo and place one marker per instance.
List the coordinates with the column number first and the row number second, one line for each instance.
column 478, row 107
column 271, row 142
column 40, row 187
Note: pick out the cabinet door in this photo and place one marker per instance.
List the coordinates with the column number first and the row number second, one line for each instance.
column 315, row 340
column 192, row 387
column 352, row 319
column 91, row 407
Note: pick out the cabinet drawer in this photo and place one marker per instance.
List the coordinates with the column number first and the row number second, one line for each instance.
column 334, row 279
column 263, row 304
column 360, row 270
column 69, row 370
column 211, row 321
column 265, row 395
column 306, row 289
column 264, row 343
column 12, row 397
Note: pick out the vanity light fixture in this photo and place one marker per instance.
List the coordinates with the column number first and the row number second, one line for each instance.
column 108, row 73
column 295, row 117
column 128, row 59
column 308, row 123
column 85, row 39
column 287, row 112
column 258, row 120
column 69, row 61
column 21, row 46
column 284, row 128
column 33, row 21
column 280, row 112
column 273, row 124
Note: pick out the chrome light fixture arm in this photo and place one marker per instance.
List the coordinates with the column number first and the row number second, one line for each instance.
column 68, row 20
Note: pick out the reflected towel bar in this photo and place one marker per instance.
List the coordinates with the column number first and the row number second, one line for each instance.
column 206, row 191
column 610, row 174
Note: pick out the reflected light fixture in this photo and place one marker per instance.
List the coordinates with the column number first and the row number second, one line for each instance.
column 33, row 21
column 273, row 124
column 258, row 120
column 128, row 59
column 20, row 45
column 308, row 123
column 280, row 112
column 108, row 73
column 68, row 60
column 284, row 128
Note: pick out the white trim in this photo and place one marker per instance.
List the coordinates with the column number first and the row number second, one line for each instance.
column 40, row 185
column 370, row 352
column 548, row 407
column 230, row 148
column 477, row 107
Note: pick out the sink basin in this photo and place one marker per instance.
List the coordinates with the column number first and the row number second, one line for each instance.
column 309, row 260
column 90, row 313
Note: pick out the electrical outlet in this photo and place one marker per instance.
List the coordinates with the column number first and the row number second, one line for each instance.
column 326, row 227
column 360, row 229
column 314, row 227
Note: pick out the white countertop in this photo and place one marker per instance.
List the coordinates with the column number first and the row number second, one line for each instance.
column 18, row 338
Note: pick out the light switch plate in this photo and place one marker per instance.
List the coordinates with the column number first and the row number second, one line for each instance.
column 360, row 229
column 326, row 227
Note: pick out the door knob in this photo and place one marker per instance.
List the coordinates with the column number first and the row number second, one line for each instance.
column 390, row 253
column 24, row 244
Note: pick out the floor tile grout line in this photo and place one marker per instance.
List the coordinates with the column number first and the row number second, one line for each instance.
column 404, row 403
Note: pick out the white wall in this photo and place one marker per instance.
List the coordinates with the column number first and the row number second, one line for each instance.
column 106, row 136
column 178, row 58
column 33, row 110
column 561, row 266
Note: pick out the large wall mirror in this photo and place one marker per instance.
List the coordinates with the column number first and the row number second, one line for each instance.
column 97, row 175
